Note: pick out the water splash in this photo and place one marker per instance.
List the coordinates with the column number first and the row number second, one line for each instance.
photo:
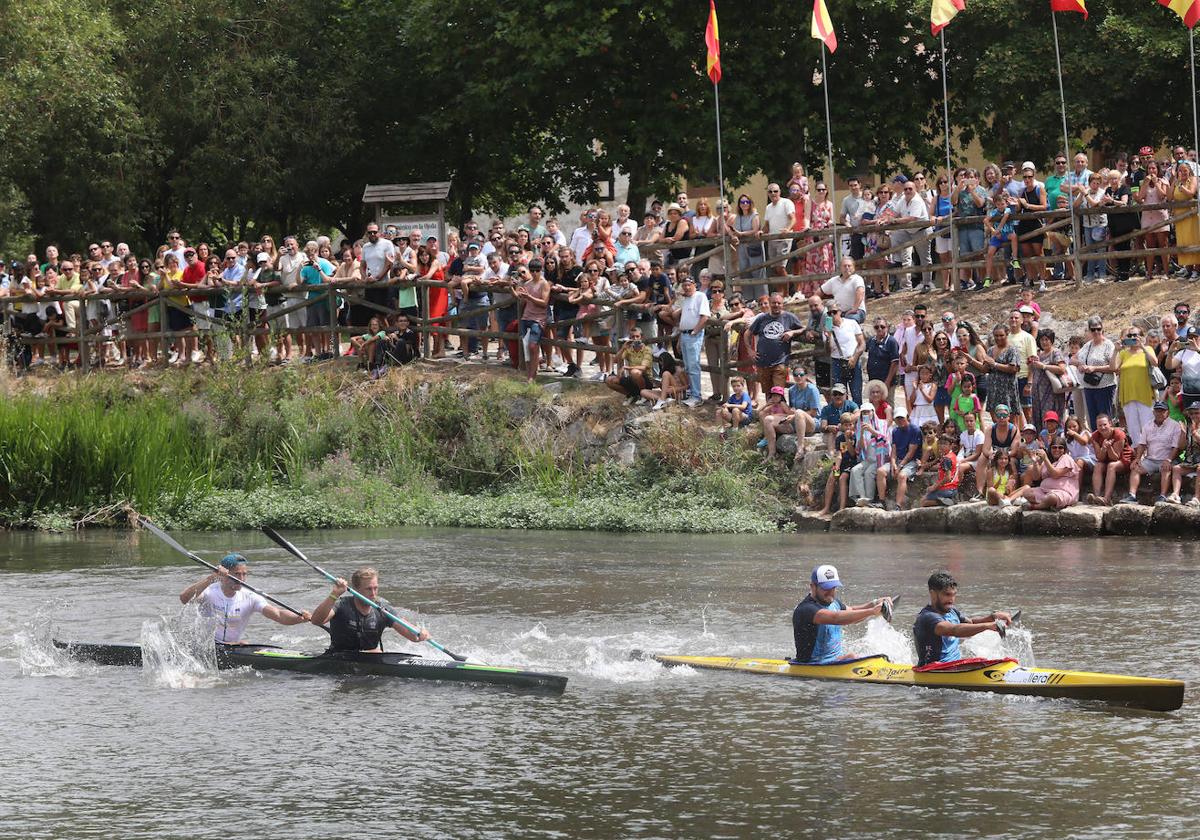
column 881, row 637
column 178, row 651
column 34, row 646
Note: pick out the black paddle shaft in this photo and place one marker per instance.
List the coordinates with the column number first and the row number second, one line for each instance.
column 283, row 543
column 166, row 538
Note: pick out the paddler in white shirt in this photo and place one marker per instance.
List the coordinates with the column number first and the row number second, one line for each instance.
column 222, row 597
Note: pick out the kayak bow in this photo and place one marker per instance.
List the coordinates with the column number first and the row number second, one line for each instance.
column 339, row 663
column 1003, row 676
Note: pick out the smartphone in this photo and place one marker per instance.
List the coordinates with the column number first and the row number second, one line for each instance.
column 1129, row 342
column 828, row 322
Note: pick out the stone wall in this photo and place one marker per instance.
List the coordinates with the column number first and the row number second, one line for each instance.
column 1162, row 519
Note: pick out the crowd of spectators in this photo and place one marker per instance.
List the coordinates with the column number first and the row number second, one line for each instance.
column 1023, row 415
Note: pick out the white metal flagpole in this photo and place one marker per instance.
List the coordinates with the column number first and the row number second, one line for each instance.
column 1067, row 152
column 720, row 171
column 1195, row 122
column 954, row 256
column 831, row 179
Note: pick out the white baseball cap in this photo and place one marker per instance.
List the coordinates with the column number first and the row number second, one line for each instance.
column 826, row 577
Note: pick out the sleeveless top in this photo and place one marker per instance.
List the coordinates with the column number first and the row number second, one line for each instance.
column 1005, row 444
column 678, row 252
column 349, row 629
column 1031, row 195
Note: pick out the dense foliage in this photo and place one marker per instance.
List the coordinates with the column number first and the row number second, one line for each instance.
column 235, row 117
column 236, row 449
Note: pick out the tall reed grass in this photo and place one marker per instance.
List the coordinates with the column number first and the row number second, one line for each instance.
column 78, row 452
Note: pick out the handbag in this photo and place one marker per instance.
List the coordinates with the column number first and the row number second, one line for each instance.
column 1093, row 379
column 1157, row 381
column 1056, row 383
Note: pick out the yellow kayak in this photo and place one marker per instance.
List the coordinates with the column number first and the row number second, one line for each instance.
column 1004, row 676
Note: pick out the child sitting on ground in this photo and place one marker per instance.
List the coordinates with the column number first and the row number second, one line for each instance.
column 738, row 411
column 845, row 457
column 673, row 384
column 971, row 455
column 945, row 491
column 930, row 449
column 1001, row 478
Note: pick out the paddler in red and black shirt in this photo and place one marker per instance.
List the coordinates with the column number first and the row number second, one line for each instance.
column 353, row 625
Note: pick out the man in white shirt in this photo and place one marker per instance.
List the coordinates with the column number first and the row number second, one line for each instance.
column 911, row 207
column 694, row 312
column 378, row 256
column 779, row 216
column 848, row 291
column 846, row 345
column 175, row 245
column 581, row 239
column 223, row 600
column 624, row 222
column 853, row 206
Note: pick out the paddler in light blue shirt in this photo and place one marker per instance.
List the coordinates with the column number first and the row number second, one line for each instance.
column 817, row 621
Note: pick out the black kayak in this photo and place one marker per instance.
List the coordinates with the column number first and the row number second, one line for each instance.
column 340, row 663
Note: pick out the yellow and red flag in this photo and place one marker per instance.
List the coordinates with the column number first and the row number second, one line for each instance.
column 942, row 12
column 713, row 42
column 1069, row 6
column 1189, row 10
column 822, row 26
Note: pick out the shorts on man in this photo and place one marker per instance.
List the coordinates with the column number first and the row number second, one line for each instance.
column 772, row 375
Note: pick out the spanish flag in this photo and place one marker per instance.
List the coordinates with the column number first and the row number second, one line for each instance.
column 942, row 12
column 713, row 42
column 822, row 26
column 1069, row 6
column 1189, row 10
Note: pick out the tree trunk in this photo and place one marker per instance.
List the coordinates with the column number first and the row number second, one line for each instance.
column 638, row 195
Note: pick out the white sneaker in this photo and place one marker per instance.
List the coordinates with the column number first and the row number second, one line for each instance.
column 692, row 402
column 600, row 377
column 659, row 406
column 1042, row 286
column 1006, row 503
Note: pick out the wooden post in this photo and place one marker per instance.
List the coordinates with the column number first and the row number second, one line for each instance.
column 334, row 339
column 426, row 336
column 247, row 327
column 164, row 346
column 85, row 353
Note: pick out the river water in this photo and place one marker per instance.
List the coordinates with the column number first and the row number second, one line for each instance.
column 631, row 749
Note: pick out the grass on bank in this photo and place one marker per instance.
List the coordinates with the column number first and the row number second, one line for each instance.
column 238, row 448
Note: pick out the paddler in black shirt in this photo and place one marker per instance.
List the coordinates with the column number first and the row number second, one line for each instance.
column 352, row 624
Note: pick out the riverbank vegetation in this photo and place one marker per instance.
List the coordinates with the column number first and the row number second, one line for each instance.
column 312, row 448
